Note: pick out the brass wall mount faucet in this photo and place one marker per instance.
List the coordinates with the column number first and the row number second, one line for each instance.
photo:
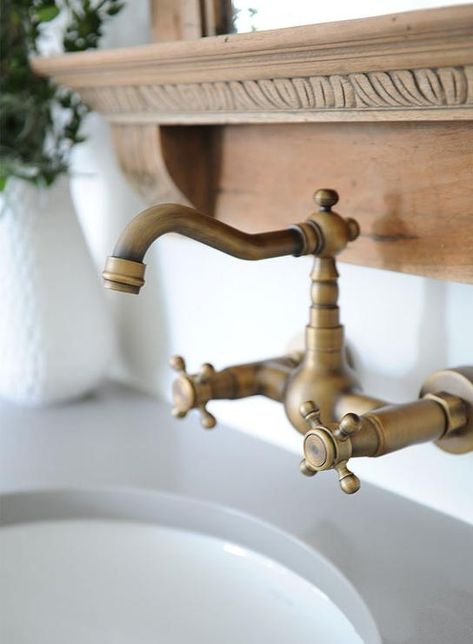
column 321, row 395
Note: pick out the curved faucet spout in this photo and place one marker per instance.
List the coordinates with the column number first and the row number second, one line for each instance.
column 124, row 270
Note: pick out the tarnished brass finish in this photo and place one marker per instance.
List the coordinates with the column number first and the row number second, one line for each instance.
column 124, row 275
column 329, row 447
column 320, row 393
column 188, row 392
column 323, row 375
column 267, row 378
column 377, row 432
column 457, row 382
column 149, row 225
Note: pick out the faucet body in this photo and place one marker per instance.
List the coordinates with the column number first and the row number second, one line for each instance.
column 321, row 395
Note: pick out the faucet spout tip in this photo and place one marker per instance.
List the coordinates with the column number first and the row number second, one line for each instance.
column 123, row 275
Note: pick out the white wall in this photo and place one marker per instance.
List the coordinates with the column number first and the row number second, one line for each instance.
column 274, row 14
column 210, row 307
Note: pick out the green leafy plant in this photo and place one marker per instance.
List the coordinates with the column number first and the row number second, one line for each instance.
column 39, row 121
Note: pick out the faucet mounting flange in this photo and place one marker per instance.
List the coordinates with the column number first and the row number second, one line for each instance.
column 456, row 382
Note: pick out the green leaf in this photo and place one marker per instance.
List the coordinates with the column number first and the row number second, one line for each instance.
column 40, row 122
column 112, row 11
column 45, row 14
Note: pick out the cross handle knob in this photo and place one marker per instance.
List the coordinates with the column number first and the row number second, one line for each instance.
column 329, row 446
column 191, row 391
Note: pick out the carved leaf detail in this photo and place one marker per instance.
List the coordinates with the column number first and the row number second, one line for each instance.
column 469, row 83
column 343, row 92
column 256, row 96
column 405, row 83
column 323, row 92
column 430, row 86
column 454, row 84
column 384, row 85
column 287, row 92
column 304, row 93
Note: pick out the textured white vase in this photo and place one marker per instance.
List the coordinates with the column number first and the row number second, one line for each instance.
column 56, row 337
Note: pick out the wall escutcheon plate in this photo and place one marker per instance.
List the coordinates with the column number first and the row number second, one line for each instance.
column 458, row 382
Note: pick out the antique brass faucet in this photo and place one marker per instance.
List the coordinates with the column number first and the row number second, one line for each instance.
column 321, row 395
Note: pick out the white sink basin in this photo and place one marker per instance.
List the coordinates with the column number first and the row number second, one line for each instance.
column 130, row 567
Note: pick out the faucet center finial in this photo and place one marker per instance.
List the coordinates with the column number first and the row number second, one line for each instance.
column 326, row 198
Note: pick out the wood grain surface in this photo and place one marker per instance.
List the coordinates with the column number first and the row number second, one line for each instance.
column 410, row 186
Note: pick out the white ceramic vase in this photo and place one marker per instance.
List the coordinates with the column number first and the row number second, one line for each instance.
column 56, row 337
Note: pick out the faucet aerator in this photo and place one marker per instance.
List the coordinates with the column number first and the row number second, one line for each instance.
column 123, row 275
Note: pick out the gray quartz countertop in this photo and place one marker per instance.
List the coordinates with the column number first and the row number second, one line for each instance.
column 413, row 566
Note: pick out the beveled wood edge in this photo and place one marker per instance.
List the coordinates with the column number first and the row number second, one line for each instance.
column 327, row 116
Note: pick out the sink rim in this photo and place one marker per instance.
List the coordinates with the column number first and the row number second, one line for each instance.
column 197, row 515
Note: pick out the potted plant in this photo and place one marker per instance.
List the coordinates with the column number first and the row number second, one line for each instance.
column 55, row 335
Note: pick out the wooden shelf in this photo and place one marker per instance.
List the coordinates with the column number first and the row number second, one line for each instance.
column 247, row 126
column 416, row 65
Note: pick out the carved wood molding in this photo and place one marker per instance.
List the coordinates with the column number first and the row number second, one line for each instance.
column 412, row 66
column 443, row 90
